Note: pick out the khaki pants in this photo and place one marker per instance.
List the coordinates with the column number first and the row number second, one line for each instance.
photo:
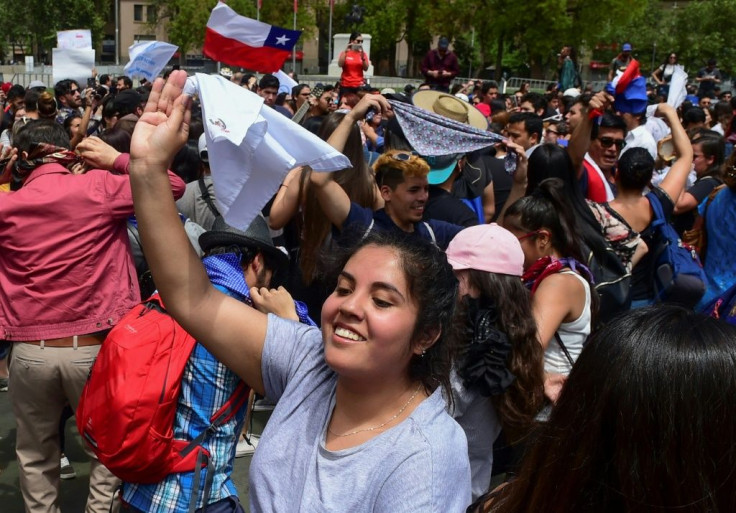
column 42, row 380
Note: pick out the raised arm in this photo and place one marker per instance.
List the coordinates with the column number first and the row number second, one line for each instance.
column 333, row 199
column 580, row 139
column 675, row 181
column 286, row 204
column 232, row 331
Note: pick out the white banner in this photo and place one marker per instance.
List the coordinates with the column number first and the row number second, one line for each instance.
column 148, row 58
column 80, row 39
column 74, row 64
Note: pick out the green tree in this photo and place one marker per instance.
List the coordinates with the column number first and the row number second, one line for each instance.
column 34, row 23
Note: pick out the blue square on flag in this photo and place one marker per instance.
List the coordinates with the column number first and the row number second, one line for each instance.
column 281, row 38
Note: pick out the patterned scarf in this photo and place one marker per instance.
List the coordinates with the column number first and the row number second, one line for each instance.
column 43, row 153
column 548, row 265
column 225, row 270
column 433, row 135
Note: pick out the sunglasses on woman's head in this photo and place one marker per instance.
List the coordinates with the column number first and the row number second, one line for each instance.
column 403, row 156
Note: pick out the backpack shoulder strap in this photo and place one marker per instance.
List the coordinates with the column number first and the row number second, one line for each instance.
column 368, row 230
column 564, row 348
column 657, row 209
column 431, row 233
column 206, row 196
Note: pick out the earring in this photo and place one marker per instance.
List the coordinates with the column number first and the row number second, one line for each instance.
column 424, row 351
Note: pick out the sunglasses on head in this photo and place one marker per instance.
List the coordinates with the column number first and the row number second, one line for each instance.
column 403, row 156
column 607, row 142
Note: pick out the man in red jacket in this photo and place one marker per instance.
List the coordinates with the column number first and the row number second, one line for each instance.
column 66, row 277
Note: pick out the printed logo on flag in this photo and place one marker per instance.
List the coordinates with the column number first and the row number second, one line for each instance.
column 219, row 123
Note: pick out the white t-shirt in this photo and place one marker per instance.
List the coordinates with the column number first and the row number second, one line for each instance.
column 640, row 137
column 420, row 464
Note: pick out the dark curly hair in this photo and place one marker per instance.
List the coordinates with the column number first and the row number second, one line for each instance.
column 433, row 288
column 523, row 399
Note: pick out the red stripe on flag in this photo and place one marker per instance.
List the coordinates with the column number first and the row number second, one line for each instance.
column 630, row 73
column 235, row 53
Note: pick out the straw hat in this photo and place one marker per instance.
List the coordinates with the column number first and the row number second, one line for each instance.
column 450, row 107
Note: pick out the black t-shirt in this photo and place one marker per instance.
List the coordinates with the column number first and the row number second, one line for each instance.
column 443, row 206
column 314, row 123
column 700, row 190
column 642, row 284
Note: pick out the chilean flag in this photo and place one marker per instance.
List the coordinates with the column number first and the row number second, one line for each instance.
column 240, row 41
column 629, row 90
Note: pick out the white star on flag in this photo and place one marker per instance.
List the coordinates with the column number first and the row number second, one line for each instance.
column 281, row 40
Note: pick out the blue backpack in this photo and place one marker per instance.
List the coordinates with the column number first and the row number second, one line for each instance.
column 678, row 274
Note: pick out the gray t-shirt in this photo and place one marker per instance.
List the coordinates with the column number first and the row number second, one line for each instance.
column 477, row 416
column 418, row 465
column 193, row 205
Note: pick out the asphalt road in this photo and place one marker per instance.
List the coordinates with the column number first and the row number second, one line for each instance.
column 73, row 493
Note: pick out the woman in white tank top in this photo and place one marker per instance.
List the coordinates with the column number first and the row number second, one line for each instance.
column 562, row 302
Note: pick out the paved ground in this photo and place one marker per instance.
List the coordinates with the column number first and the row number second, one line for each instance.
column 74, row 491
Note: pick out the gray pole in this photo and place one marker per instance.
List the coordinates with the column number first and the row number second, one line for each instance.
column 117, row 32
column 293, row 50
column 654, row 54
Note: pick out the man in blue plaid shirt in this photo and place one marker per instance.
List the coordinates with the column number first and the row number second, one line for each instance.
column 235, row 261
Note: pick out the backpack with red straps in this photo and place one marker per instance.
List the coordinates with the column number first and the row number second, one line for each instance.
column 128, row 405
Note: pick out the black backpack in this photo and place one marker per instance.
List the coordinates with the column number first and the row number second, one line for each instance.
column 612, row 280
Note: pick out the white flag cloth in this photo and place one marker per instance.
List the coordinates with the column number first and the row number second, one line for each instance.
column 678, row 87
column 251, row 147
column 148, row 58
column 286, row 83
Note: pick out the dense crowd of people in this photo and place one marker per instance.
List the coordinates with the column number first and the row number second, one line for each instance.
column 532, row 289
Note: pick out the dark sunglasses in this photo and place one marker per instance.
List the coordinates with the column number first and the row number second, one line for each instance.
column 607, row 142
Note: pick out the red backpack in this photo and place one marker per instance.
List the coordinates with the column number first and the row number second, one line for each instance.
column 128, row 405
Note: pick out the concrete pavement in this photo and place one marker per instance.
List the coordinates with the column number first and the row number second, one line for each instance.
column 73, row 493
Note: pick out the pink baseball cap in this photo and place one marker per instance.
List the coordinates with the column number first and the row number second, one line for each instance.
column 486, row 247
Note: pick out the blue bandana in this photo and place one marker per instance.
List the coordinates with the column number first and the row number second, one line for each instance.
column 225, row 271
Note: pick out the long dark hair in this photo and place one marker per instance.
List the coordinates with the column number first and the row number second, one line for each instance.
column 548, row 207
column 432, row 286
column 358, row 183
column 522, row 400
column 551, row 161
column 644, row 422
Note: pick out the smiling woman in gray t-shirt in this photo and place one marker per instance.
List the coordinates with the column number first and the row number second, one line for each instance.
column 360, row 422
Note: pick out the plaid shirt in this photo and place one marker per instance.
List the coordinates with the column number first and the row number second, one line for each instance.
column 206, row 385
